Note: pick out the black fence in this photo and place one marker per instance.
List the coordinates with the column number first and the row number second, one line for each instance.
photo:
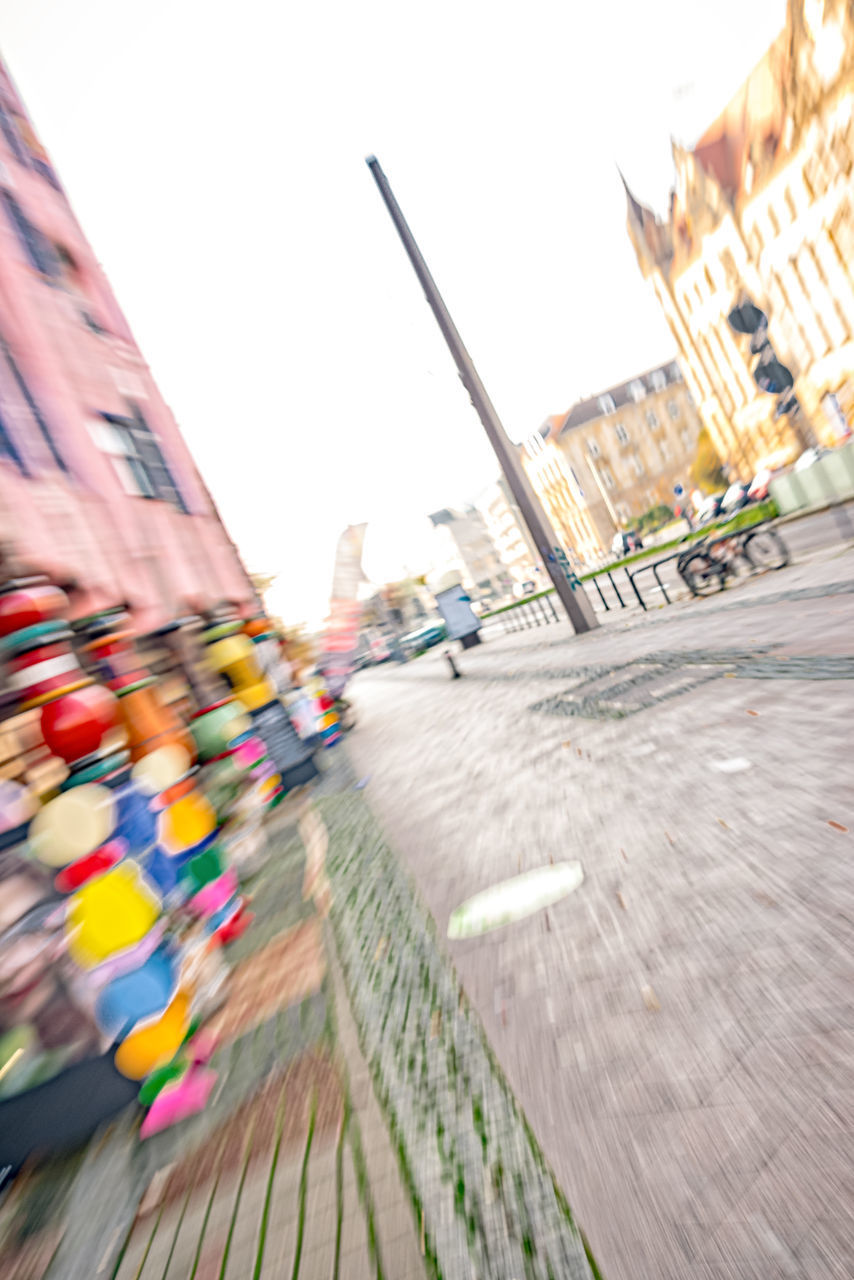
column 645, row 584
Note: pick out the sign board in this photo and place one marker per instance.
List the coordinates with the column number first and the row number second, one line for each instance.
column 678, row 490
column 835, row 416
column 459, row 617
column 341, row 641
column 288, row 752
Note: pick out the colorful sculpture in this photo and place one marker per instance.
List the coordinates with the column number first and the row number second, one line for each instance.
column 231, row 653
column 186, row 857
column 95, row 835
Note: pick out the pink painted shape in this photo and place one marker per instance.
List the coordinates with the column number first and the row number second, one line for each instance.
column 214, row 896
column 179, row 1101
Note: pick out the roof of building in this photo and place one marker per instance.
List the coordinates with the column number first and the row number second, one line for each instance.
column 752, row 118
column 591, row 408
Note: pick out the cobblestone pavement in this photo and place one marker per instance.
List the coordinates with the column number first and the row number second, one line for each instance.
column 679, row 1030
column 288, row 1172
column 487, row 1205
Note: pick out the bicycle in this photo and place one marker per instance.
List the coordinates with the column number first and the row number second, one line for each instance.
column 706, row 565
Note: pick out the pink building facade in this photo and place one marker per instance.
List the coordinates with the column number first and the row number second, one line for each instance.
column 96, row 483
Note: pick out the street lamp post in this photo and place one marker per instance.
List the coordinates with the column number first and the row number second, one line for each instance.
column 569, row 590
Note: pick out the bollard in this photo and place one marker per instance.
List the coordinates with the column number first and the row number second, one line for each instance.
column 455, row 674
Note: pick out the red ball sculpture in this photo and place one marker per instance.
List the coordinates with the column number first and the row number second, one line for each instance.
column 75, row 724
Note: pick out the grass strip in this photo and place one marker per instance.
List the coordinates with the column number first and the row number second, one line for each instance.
column 303, row 1188
column 144, row 1258
column 265, row 1214
column 228, row 1239
column 339, row 1189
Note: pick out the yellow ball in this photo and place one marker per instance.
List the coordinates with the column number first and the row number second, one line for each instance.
column 109, row 914
column 186, row 822
column 153, row 1044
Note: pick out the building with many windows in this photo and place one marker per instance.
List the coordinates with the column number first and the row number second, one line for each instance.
column 509, row 535
column 96, row 483
column 464, row 553
column 763, row 211
column 613, row 457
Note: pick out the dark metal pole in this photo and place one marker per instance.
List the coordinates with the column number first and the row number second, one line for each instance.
column 570, row 591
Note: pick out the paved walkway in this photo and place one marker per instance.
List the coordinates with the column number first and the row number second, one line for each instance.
column 288, row 1173
column 680, row 1030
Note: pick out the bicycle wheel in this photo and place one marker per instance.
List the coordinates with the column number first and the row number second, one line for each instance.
column 703, row 574
column 765, row 549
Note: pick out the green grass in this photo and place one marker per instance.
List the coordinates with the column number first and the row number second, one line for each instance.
column 303, row 1188
column 265, row 1216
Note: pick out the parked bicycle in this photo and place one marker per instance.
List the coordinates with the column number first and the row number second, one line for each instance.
column 706, row 565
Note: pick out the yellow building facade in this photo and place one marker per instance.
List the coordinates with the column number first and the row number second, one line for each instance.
column 613, row 457
column 762, row 211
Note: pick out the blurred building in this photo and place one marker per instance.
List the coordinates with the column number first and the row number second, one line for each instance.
column 613, row 457
column 763, row 211
column 96, row 482
column 508, row 533
column 465, row 552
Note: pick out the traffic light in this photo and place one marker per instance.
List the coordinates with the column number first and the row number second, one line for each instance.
column 769, row 373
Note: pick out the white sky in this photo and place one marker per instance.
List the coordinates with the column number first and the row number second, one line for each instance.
column 214, row 153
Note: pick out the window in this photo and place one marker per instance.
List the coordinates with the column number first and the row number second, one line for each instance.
column 13, row 139
column 651, row 419
column 38, row 416
column 658, row 380
column 7, row 448
column 36, row 245
column 665, row 450
column 637, row 466
column 137, row 458
column 622, row 512
column 687, row 438
column 728, row 264
column 622, row 433
column 607, row 478
column 593, row 448
column 606, row 403
column 637, row 391
column 673, row 409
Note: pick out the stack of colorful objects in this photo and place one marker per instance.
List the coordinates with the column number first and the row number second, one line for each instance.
column 268, row 652
column 231, row 654
column 226, row 740
column 328, row 724
column 94, row 835
column 242, row 778
column 187, row 861
column 238, row 776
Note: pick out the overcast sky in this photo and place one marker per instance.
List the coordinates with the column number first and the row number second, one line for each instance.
column 215, row 155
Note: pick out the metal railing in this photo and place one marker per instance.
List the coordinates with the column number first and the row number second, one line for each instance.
column 613, row 592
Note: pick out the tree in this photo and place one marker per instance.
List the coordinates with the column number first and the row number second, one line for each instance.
column 706, row 470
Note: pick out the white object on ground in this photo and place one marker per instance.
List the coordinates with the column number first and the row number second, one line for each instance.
column 737, row 764
column 514, row 899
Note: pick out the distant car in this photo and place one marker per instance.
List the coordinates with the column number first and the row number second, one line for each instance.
column 736, row 497
column 809, row 457
column 626, row 543
column 758, row 490
column 710, row 508
column 424, row 638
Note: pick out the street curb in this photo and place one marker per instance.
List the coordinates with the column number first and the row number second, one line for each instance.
column 488, row 1204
